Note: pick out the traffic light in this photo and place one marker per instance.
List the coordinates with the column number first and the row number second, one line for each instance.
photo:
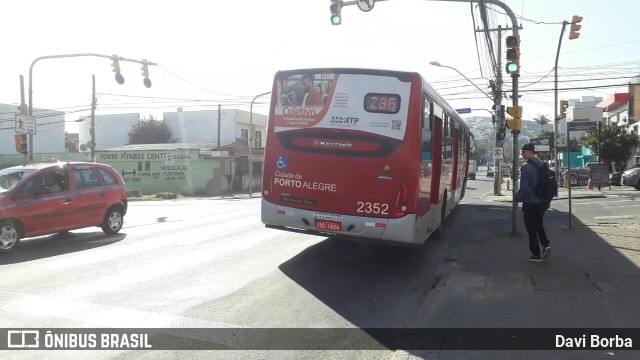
column 21, row 144
column 513, row 54
column 116, row 69
column 575, row 27
column 515, row 124
column 336, row 7
column 145, row 73
column 564, row 104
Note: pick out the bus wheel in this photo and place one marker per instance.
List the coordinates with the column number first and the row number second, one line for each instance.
column 464, row 189
column 443, row 212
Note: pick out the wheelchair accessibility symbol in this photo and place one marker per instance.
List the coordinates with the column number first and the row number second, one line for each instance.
column 282, row 162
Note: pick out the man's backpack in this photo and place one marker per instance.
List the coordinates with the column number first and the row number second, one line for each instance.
column 546, row 186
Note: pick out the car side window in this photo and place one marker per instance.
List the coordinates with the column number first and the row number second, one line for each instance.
column 107, row 177
column 85, row 177
column 24, row 191
column 53, row 181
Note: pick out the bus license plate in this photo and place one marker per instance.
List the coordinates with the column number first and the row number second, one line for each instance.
column 328, row 225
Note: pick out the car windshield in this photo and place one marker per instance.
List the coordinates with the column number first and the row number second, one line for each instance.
column 9, row 178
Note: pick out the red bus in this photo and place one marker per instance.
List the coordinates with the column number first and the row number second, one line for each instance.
column 362, row 153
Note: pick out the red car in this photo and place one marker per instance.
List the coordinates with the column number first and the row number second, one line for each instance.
column 43, row 199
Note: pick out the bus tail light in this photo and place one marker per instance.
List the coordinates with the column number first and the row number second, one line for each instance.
column 401, row 199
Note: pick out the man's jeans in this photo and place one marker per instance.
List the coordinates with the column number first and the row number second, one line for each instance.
column 533, row 218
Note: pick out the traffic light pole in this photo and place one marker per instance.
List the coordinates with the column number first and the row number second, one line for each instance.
column 23, row 108
column 556, row 125
column 144, row 62
column 93, row 118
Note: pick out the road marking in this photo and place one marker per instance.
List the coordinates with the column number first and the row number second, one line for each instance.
column 614, row 217
column 601, row 202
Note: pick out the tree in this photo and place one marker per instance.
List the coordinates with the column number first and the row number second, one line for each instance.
column 542, row 120
column 150, row 131
column 616, row 144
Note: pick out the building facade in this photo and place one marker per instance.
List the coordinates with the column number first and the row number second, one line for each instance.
column 111, row 130
column 623, row 109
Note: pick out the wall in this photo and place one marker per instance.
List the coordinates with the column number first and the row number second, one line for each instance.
column 111, row 130
column 154, row 171
column 19, row 159
column 200, row 126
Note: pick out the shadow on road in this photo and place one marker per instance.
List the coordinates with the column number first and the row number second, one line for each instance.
column 58, row 244
column 476, row 276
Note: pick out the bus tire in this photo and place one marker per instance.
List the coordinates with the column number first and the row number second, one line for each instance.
column 443, row 213
column 443, row 210
column 464, row 189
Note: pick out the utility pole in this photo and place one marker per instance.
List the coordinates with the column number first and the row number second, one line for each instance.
column 497, row 106
column 93, row 118
column 220, row 164
column 251, row 136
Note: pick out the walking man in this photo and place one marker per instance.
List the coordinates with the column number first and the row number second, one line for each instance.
column 533, row 207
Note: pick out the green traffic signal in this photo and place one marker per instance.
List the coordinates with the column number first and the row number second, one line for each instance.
column 335, row 20
column 512, row 67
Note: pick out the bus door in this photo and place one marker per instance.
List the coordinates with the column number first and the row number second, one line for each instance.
column 426, row 158
column 456, row 157
column 436, row 162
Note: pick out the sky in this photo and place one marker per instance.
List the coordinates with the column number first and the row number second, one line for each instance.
column 227, row 52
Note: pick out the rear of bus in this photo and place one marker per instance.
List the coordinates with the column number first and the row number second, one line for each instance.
column 339, row 159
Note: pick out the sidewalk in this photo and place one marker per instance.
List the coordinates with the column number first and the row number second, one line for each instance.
column 591, row 280
column 577, row 192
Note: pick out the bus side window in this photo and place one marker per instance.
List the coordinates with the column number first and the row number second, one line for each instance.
column 427, row 126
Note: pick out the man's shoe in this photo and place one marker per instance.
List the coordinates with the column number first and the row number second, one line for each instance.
column 546, row 253
column 534, row 258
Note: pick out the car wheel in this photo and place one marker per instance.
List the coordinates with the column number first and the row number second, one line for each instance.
column 113, row 221
column 9, row 236
column 638, row 186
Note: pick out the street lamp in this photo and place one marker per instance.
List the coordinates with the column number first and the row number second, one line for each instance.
column 435, row 63
column 250, row 140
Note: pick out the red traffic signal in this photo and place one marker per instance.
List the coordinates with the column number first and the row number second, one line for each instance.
column 21, row 143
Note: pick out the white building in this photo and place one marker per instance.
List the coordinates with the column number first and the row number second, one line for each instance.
column 111, row 130
column 623, row 109
column 185, row 126
column 585, row 109
column 202, row 126
column 49, row 137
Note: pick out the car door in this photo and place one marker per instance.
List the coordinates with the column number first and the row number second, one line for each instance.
column 89, row 195
column 41, row 210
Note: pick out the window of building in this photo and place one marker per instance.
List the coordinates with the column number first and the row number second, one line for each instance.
column 244, row 137
column 258, row 139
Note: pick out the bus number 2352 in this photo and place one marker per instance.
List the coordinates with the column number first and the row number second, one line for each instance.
column 372, row 208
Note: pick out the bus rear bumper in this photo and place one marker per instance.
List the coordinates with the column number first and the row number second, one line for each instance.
column 396, row 230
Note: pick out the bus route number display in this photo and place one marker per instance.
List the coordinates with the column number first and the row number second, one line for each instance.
column 382, row 103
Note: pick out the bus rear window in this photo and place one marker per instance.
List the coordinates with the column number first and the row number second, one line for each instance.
column 382, row 103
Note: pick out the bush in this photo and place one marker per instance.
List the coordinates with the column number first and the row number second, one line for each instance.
column 167, row 196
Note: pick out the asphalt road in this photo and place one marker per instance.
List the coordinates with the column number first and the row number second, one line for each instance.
column 202, row 263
